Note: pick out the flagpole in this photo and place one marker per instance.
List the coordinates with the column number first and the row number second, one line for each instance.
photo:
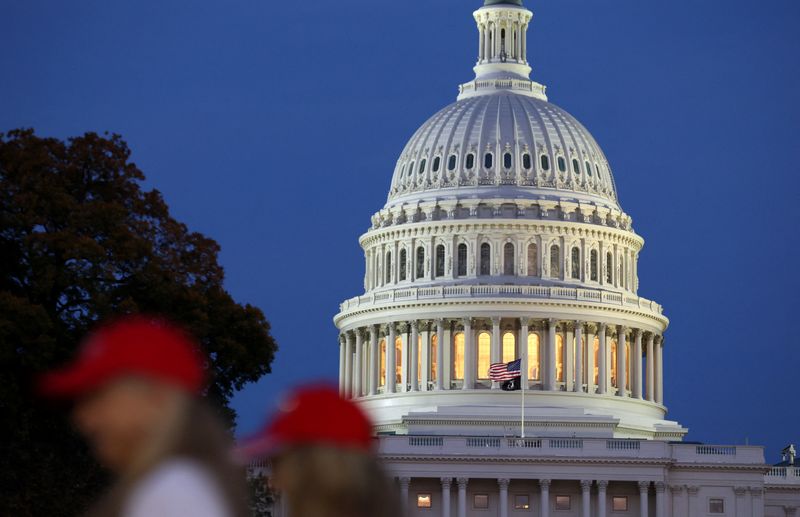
column 522, row 421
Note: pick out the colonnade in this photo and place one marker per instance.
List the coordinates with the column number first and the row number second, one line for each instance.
column 603, row 358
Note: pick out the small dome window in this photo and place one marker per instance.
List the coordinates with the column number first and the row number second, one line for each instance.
column 470, row 161
column 562, row 164
column 576, row 167
column 545, row 161
column 422, row 165
column 526, row 161
column 488, row 160
column 507, row 161
column 597, row 168
column 402, row 171
column 588, row 168
column 436, row 162
column 451, row 163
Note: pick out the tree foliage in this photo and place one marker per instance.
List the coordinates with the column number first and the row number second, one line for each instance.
column 81, row 241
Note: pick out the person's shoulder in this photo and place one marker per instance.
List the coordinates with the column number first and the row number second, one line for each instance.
column 177, row 487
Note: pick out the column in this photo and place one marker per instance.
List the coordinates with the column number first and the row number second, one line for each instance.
column 590, row 386
column 636, row 361
column 644, row 488
column 404, row 339
column 391, row 356
column 446, row 496
column 462, row 496
column 602, row 486
column 413, row 366
column 342, row 366
column 503, row 497
column 523, row 352
column 622, row 342
column 758, row 501
column 692, row 492
column 660, row 371
column 740, row 509
column 469, row 353
column 425, row 359
column 550, row 357
column 569, row 358
column 440, row 344
column 579, row 352
column 496, row 352
column 602, row 381
column 481, row 45
column 544, row 501
column 348, row 366
column 679, row 506
column 586, row 498
column 660, row 508
column 651, row 371
column 358, row 367
column 404, row 482
column 374, row 360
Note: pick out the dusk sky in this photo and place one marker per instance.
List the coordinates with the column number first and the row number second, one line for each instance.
column 274, row 128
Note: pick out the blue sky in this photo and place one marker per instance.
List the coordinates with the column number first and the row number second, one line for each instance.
column 274, row 128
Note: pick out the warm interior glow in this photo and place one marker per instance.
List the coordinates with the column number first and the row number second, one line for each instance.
column 458, row 357
column 419, row 359
column 398, row 365
column 613, row 363
column 534, row 361
column 560, row 358
column 627, row 365
column 509, row 347
column 434, row 355
column 484, row 354
column 596, row 360
column 423, row 500
column 383, row 362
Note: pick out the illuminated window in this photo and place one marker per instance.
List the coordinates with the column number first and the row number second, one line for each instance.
column 470, row 161
column 383, row 362
column 440, row 260
column 398, row 361
column 545, row 161
column 508, row 259
column 562, row 164
column 593, row 265
column 576, row 263
column 462, row 260
column 458, row 356
column 716, row 506
column 614, row 363
column 555, row 261
column 609, row 268
column 627, row 365
column 596, row 361
column 388, row 267
column 484, row 354
column 533, row 260
column 560, row 358
column 526, row 161
column 480, row 502
column 486, row 259
column 419, row 358
column 507, row 161
column 423, row 500
column 403, row 264
column 534, row 357
column 420, row 262
column 619, row 503
column 436, row 163
column 563, row 502
column 433, row 359
column 509, row 347
column 522, row 502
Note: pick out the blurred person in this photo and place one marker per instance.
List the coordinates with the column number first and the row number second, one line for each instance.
column 320, row 447
column 136, row 385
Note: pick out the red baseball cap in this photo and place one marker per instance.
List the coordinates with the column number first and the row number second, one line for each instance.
column 131, row 346
column 314, row 415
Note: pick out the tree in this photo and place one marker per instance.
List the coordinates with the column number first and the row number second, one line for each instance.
column 82, row 241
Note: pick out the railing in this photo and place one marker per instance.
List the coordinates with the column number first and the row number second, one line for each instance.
column 715, row 450
column 622, row 445
column 483, row 442
column 566, row 443
column 783, row 476
column 525, row 443
column 425, row 441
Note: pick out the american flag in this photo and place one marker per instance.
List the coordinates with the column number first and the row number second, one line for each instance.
column 505, row 371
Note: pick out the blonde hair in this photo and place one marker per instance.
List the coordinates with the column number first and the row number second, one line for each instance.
column 324, row 481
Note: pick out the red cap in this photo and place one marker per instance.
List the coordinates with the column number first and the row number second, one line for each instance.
column 134, row 346
column 315, row 415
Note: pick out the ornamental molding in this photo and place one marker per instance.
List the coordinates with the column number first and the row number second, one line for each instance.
column 538, row 460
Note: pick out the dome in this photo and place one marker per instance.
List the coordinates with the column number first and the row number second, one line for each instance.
column 503, row 145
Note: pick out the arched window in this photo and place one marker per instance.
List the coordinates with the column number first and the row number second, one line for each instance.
column 484, row 354
column 458, row 357
column 624, row 276
column 534, row 357
column 576, row 168
column 588, row 168
column 614, row 363
column 509, row 347
column 436, row 163
column 388, row 267
column 533, row 260
column 628, row 365
column 403, row 171
column 562, row 164
column 433, row 359
column 526, row 161
column 403, row 264
column 420, row 262
column 451, row 163
column 383, row 362
column 398, row 361
column 609, row 268
column 470, row 161
column 597, row 168
column 596, row 347
column 440, row 260
column 488, row 160
column 410, row 170
column 462, row 259
column 555, row 261
column 576, row 263
column 545, row 160
column 560, row 351
column 507, row 161
column 486, row 259
column 593, row 265
column 508, row 259
column 422, row 165
column 419, row 358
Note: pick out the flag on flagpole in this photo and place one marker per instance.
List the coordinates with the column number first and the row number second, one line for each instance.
column 507, row 373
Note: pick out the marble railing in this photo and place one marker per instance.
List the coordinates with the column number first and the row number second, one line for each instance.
column 783, row 476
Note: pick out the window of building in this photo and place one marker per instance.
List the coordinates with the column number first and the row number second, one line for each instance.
column 403, row 264
column 440, row 260
column 560, row 350
column 619, row 503
column 458, row 357
column 410, row 170
column 419, row 358
column 588, row 168
column 486, row 259
column 545, row 161
column 420, row 262
column 388, row 267
column 462, row 260
column 533, row 260
column 470, row 161
column 609, row 268
column 451, row 162
column 534, row 357
column 613, row 362
column 509, row 347
column 576, row 168
column 488, row 160
column 436, row 163
column 593, row 265
column 508, row 259
column 628, row 365
column 526, row 161
column 403, row 171
column 597, row 169
column 480, row 502
column 507, row 161
column 522, row 502
column 716, row 505
column 576, row 263
column 423, row 500
column 555, row 261
column 382, row 346
column 596, row 347
column 433, row 361
column 563, row 502
column 398, row 359
column 484, row 354
column 562, row 164
column 422, row 165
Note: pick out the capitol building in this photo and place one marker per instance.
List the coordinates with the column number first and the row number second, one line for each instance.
column 503, row 237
